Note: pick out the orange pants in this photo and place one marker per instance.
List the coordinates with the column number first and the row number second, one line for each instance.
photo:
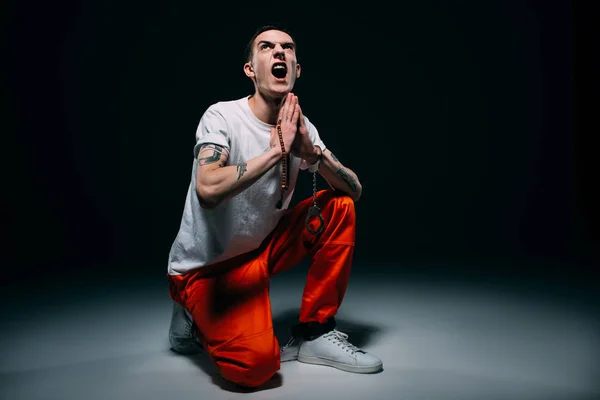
column 230, row 302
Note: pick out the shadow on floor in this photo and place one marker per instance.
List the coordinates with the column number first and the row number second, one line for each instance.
column 359, row 335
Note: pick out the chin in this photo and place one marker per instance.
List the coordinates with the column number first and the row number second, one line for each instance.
column 278, row 92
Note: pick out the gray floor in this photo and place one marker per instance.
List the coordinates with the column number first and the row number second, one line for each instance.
column 444, row 340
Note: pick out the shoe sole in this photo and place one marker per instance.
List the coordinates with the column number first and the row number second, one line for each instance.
column 289, row 358
column 187, row 350
column 344, row 367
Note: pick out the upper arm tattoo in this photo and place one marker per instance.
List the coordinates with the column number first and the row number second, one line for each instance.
column 211, row 153
column 349, row 179
column 334, row 157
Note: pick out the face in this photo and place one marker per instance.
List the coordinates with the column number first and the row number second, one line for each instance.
column 274, row 68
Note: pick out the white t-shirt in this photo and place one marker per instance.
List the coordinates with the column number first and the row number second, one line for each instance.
column 241, row 223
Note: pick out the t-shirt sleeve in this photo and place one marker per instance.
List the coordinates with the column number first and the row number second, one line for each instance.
column 212, row 128
column 316, row 139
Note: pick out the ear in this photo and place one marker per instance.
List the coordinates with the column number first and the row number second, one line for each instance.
column 249, row 70
column 298, row 71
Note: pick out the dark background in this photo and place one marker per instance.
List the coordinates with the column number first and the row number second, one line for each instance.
column 469, row 125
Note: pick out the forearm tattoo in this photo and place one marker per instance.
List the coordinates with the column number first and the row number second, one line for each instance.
column 241, row 169
column 349, row 179
column 211, row 153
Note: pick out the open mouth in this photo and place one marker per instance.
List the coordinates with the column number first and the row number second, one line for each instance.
column 279, row 70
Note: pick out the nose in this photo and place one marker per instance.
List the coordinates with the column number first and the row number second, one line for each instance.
column 278, row 52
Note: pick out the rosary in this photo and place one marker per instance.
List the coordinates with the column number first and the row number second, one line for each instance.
column 314, row 210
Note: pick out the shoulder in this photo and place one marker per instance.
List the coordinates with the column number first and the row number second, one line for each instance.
column 216, row 109
column 223, row 110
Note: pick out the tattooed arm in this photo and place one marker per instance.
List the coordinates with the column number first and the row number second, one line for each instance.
column 338, row 176
column 216, row 181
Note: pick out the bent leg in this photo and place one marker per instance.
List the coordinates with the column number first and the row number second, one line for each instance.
column 232, row 311
column 331, row 251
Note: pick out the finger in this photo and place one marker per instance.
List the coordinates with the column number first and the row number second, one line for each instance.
column 300, row 116
column 284, row 106
column 290, row 110
column 288, row 102
column 296, row 114
column 280, row 115
column 295, row 110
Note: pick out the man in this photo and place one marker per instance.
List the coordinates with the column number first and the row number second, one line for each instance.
column 236, row 230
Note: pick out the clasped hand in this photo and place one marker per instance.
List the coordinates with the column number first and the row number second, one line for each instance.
column 293, row 129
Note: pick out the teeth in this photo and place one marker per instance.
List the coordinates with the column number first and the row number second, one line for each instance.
column 278, row 67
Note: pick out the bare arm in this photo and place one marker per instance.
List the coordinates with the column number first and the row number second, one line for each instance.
column 216, row 182
column 338, row 176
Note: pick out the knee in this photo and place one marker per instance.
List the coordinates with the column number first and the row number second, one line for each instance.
column 249, row 366
column 344, row 200
column 342, row 204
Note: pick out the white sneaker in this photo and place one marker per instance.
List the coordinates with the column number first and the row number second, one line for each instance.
column 182, row 335
column 334, row 350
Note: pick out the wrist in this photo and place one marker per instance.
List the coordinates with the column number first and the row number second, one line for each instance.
column 315, row 162
column 276, row 150
column 316, row 156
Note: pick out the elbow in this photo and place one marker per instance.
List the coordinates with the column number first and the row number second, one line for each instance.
column 357, row 191
column 354, row 192
column 355, row 195
column 206, row 197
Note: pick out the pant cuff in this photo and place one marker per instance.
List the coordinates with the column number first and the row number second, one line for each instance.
column 312, row 330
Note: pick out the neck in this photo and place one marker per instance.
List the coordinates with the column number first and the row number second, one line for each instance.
column 265, row 109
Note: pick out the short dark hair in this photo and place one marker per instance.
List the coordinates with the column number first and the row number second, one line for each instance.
column 271, row 27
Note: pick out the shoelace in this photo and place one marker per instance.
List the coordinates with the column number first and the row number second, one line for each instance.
column 341, row 339
column 287, row 345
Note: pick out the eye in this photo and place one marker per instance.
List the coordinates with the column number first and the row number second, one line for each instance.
column 264, row 46
column 288, row 46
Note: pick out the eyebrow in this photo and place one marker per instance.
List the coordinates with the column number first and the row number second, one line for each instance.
column 292, row 44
